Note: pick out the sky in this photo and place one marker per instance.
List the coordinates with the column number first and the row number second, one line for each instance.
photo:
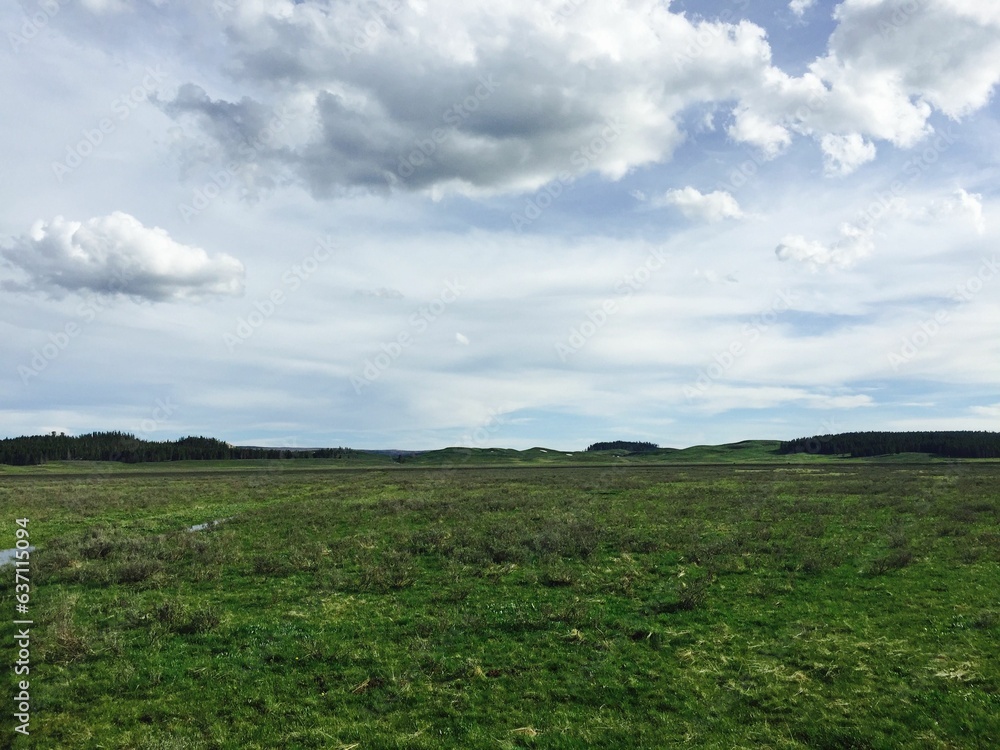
column 414, row 223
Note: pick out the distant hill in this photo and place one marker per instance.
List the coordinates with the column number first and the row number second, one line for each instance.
column 69, row 452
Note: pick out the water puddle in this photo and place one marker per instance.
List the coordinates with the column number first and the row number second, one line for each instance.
column 207, row 524
column 7, row 555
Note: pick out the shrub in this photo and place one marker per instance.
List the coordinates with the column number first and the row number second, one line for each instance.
column 179, row 618
column 135, row 571
column 895, row 560
column 67, row 641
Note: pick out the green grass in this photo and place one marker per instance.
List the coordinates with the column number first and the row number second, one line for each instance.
column 831, row 605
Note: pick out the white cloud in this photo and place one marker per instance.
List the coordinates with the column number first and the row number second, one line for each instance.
column 843, row 154
column 489, row 98
column 766, row 134
column 723, row 397
column 890, row 63
column 466, row 108
column 462, row 339
column 963, row 204
column 117, row 255
column 945, row 53
column 457, row 113
column 104, row 6
column 887, row 68
column 711, row 207
column 799, row 7
column 987, row 411
column 853, row 245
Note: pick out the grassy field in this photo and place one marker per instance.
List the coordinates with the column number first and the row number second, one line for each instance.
column 823, row 605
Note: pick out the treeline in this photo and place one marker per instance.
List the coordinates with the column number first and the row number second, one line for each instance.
column 962, row 444
column 127, row 448
column 626, row 445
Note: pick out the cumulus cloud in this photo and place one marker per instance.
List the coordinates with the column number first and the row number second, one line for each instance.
column 887, row 68
column 495, row 97
column 711, row 207
column 853, row 245
column 117, row 255
column 799, row 7
column 857, row 241
column 843, row 154
column 944, row 53
column 962, row 204
column 767, row 134
column 889, row 64
column 486, row 97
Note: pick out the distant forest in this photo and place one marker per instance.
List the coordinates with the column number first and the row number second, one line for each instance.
column 623, row 445
column 126, row 448
column 863, row 444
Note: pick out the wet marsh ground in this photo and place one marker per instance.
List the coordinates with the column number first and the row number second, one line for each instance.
column 837, row 605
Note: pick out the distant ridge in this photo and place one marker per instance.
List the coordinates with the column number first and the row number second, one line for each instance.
column 127, row 448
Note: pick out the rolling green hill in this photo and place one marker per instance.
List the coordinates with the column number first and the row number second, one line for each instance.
column 745, row 451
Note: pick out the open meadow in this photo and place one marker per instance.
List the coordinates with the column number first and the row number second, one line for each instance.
column 822, row 604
